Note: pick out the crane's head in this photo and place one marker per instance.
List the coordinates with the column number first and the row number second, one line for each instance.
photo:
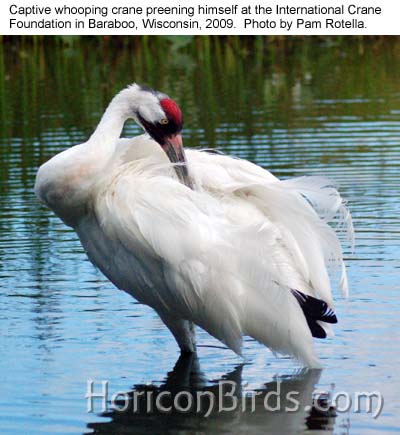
column 162, row 119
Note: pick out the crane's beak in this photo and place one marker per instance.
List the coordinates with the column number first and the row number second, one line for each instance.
column 174, row 149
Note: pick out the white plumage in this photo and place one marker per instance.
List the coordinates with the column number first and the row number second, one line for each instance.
column 224, row 255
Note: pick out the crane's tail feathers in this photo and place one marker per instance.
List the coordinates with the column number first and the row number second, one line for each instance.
column 315, row 311
column 330, row 207
column 324, row 197
column 313, row 217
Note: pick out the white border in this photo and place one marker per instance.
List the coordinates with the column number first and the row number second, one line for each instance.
column 385, row 23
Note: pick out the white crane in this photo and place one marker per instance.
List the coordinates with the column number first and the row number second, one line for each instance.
column 204, row 239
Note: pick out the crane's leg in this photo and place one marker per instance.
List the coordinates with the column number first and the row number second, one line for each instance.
column 183, row 331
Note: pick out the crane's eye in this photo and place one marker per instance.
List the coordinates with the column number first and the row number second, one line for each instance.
column 164, row 121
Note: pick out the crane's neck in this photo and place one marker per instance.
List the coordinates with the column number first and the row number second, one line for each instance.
column 65, row 182
column 127, row 104
column 68, row 180
column 108, row 131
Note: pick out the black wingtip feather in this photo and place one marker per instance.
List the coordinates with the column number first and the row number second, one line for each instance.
column 314, row 309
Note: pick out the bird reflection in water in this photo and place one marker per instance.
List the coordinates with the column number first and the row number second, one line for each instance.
column 251, row 416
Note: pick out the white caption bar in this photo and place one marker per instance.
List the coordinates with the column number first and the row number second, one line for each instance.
column 194, row 17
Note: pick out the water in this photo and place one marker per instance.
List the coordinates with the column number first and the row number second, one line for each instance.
column 309, row 107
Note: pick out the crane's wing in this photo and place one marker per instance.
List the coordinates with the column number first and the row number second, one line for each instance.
column 308, row 210
column 228, row 262
column 151, row 213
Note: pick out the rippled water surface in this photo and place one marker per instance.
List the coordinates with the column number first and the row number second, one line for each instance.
column 310, row 107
